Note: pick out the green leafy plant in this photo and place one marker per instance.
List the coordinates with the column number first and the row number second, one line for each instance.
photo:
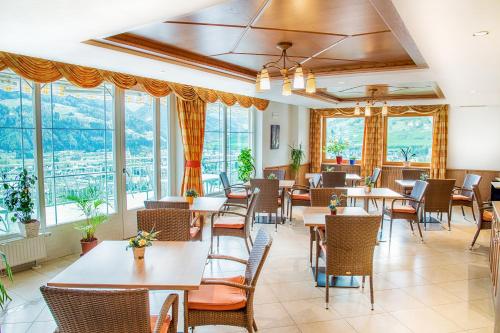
column 89, row 200
column 246, row 165
column 424, row 176
column 18, row 197
column 296, row 155
column 352, row 158
column 407, row 154
column 191, row 193
column 271, row 176
column 369, row 182
column 335, row 201
column 336, row 146
column 4, row 295
column 142, row 239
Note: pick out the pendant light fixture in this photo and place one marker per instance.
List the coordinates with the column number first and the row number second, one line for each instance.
column 357, row 110
column 371, row 103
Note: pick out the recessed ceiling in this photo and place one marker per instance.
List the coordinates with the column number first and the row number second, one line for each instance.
column 398, row 91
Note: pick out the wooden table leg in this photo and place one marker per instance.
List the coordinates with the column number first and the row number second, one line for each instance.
column 186, row 327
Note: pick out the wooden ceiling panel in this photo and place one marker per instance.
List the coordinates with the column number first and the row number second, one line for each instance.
column 346, row 17
column 263, row 41
column 201, row 39
column 378, row 47
column 326, row 65
column 251, row 61
column 414, row 90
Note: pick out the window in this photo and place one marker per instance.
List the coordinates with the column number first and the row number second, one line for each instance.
column 164, row 110
column 412, row 132
column 17, row 133
column 349, row 129
column 78, row 150
column 239, row 133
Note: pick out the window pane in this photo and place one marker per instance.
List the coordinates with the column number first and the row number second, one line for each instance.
column 213, row 148
column 139, row 149
column 78, row 150
column 16, row 137
column 349, row 129
column 164, row 110
column 409, row 132
column 238, row 137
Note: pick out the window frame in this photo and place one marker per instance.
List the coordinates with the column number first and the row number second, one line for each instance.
column 345, row 161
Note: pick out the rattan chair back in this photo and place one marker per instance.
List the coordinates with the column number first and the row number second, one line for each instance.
column 173, row 223
column 257, row 257
column 333, row 178
column 315, row 181
column 439, row 195
column 375, row 175
column 412, row 174
column 320, row 197
column 225, row 183
column 155, row 204
column 254, row 197
column 97, row 311
column 279, row 173
column 478, row 196
column 418, row 193
column 470, row 181
column 267, row 201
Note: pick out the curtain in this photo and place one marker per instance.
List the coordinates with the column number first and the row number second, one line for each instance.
column 192, row 123
column 439, row 144
column 373, row 144
column 315, row 140
column 45, row 71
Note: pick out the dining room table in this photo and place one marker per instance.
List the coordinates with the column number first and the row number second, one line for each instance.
column 284, row 186
column 200, row 205
column 166, row 266
column 349, row 177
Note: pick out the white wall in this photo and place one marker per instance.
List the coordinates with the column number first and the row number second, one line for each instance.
column 474, row 138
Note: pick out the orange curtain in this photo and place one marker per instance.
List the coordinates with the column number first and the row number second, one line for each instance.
column 439, row 143
column 46, row 71
column 315, row 140
column 373, row 144
column 192, row 123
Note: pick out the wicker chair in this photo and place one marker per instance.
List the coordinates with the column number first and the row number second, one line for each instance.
column 154, row 204
column 347, row 247
column 278, row 173
column 438, row 198
column 333, row 179
column 269, row 199
column 204, row 309
column 464, row 196
column 298, row 195
column 408, row 211
column 411, row 174
column 228, row 223
column 236, row 193
column 485, row 214
column 110, row 311
column 174, row 224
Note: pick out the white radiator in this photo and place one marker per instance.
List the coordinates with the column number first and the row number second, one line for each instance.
column 23, row 250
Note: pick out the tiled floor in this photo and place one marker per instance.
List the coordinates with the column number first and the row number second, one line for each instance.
column 438, row 286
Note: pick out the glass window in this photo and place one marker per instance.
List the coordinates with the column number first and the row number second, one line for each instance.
column 414, row 133
column 349, row 129
column 78, row 147
column 164, row 110
column 17, row 133
column 213, row 148
column 239, row 134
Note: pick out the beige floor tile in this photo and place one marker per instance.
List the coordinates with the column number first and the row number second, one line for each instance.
column 426, row 321
column 468, row 290
column 354, row 305
column 310, row 310
column 287, row 329
column 264, row 294
column 464, row 315
column 396, row 299
column 43, row 327
column 431, row 295
column 404, row 278
column 295, row 291
column 25, row 313
column 484, row 306
column 481, row 330
column 15, row 328
column 337, row 326
column 378, row 323
column 216, row 329
column 272, row 315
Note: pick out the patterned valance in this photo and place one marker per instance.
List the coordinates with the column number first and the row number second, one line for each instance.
column 418, row 110
column 46, row 71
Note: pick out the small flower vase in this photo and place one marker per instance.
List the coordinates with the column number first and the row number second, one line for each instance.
column 190, row 200
column 333, row 211
column 139, row 252
column 368, row 189
column 407, row 164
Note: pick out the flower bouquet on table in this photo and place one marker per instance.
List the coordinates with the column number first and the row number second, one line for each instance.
column 369, row 184
column 335, row 201
column 141, row 241
column 190, row 195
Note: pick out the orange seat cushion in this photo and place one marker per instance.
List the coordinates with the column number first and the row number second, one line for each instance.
column 404, row 209
column 459, row 197
column 164, row 327
column 301, row 196
column 487, row 216
column 237, row 195
column 218, row 297
column 193, row 231
column 230, row 222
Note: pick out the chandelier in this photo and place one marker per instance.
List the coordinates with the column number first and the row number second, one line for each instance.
column 286, row 66
column 369, row 103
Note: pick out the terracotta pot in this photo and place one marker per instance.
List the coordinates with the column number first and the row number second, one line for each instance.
column 407, row 164
column 139, row 252
column 30, row 229
column 333, row 212
column 190, row 200
column 368, row 189
column 88, row 245
column 339, row 159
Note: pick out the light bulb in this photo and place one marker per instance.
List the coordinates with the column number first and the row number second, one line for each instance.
column 257, row 83
column 310, row 83
column 357, row 110
column 368, row 110
column 265, row 83
column 385, row 109
column 298, row 78
column 287, row 86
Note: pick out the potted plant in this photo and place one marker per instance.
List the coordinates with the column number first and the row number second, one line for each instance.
column 140, row 242
column 271, row 176
column 424, row 176
column 4, row 295
column 407, row 156
column 335, row 201
column 336, row 147
column 246, row 165
column 18, row 199
column 89, row 201
column 296, row 156
column 190, row 195
column 352, row 160
column 368, row 184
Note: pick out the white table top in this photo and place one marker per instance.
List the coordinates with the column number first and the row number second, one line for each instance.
column 284, row 184
column 349, row 176
column 376, row 193
column 496, row 185
column 166, row 266
column 405, row 183
column 315, row 216
column 200, row 204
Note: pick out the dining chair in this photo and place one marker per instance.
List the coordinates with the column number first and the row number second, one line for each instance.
column 411, row 174
column 110, row 311
column 173, row 224
column 347, row 245
column 236, row 193
column 485, row 209
column 374, row 177
column 464, row 196
column 298, row 195
column 315, row 181
column 409, row 209
column 278, row 173
column 269, row 199
column 229, row 301
column 333, row 178
column 438, row 199
column 234, row 224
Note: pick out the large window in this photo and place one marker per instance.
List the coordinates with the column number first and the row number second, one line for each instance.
column 78, row 151
column 164, row 133
column 17, row 136
column 414, row 133
column 347, row 129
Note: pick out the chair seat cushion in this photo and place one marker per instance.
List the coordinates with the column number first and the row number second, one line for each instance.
column 230, row 222
column 301, row 196
column 166, row 324
column 237, row 195
column 193, row 231
column 459, row 197
column 218, row 297
column 404, row 209
column 487, row 216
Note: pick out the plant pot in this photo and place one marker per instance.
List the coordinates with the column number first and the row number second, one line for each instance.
column 333, row 212
column 352, row 162
column 139, row 252
column 368, row 189
column 88, row 245
column 339, row 159
column 190, row 200
column 406, row 164
column 30, row 229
